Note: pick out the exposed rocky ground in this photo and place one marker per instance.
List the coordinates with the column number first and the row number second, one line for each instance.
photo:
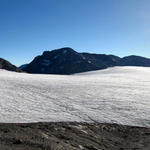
column 73, row 136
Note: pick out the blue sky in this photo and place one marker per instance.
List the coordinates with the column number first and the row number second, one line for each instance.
column 28, row 27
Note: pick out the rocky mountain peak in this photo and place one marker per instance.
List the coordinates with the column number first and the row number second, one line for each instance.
column 68, row 61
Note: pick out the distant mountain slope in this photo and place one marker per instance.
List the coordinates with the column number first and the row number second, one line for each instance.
column 102, row 60
column 68, row 61
column 135, row 61
column 23, row 66
column 4, row 64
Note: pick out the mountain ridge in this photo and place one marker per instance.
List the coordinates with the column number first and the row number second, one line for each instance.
column 68, row 61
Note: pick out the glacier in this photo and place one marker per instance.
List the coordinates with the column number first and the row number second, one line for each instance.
column 115, row 95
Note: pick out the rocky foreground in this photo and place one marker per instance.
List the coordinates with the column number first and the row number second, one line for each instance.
column 73, row 136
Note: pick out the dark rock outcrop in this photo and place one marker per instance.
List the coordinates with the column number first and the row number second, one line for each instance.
column 4, row 64
column 68, row 61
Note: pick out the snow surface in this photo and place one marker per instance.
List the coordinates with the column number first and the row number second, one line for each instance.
column 115, row 95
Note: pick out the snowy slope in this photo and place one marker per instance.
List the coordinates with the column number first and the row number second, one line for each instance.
column 115, row 95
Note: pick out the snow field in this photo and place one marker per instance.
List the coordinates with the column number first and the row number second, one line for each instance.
column 115, row 95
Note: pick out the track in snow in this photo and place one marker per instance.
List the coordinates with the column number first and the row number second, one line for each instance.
column 115, row 95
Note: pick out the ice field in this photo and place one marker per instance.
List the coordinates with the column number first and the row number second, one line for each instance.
column 115, row 95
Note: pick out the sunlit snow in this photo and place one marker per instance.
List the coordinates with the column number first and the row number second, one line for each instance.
column 115, row 95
